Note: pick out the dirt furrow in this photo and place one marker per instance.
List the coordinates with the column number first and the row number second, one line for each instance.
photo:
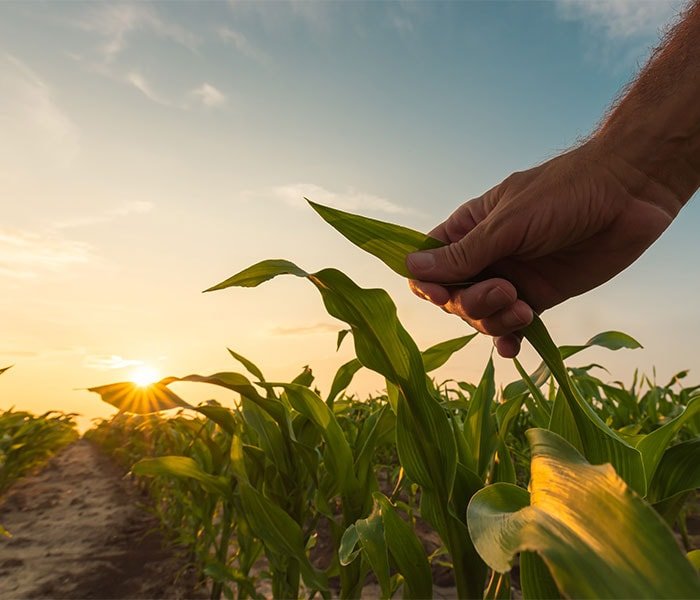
column 79, row 532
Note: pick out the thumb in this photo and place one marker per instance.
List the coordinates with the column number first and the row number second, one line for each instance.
column 465, row 258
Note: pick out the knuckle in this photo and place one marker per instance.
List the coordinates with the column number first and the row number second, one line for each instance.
column 456, row 257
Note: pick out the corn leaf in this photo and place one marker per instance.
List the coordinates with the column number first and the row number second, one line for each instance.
column 341, row 336
column 480, row 428
column 342, row 379
column 223, row 417
column 239, row 383
column 437, row 355
column 406, row 551
column 390, row 243
column 653, row 445
column 597, row 537
column 370, row 534
column 383, row 345
column 259, row 273
column 250, row 366
column 536, row 581
column 279, row 532
column 611, row 340
column 678, row 471
column 338, row 453
column 349, row 550
column 599, row 443
column 181, row 466
column 132, row 398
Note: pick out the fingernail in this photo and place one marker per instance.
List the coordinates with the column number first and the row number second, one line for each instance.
column 419, row 262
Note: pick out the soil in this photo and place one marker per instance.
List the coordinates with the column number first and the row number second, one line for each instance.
column 79, row 530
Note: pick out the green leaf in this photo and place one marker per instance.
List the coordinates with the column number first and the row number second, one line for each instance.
column 599, row 443
column 437, row 355
column 406, row 550
column 612, row 340
column 130, row 397
column 305, row 378
column 377, row 428
column 536, row 581
column 694, row 558
column 538, row 407
column 239, row 383
column 223, row 417
column 678, row 471
column 597, row 537
column 370, row 532
column 182, row 467
column 383, row 345
column 653, row 445
column 259, row 273
column 390, row 243
column 479, row 428
column 279, row 532
column 341, row 336
column 250, row 367
column 348, row 550
column 342, row 379
column 270, row 437
column 338, row 453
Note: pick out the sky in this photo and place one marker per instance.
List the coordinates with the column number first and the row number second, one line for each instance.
column 151, row 150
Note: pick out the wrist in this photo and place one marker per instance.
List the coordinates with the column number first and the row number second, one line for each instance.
column 662, row 159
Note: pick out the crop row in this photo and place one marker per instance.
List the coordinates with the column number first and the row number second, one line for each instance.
column 607, row 469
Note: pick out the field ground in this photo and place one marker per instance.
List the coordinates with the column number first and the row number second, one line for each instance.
column 79, row 532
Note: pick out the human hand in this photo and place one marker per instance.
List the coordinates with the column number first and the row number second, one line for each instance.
column 540, row 237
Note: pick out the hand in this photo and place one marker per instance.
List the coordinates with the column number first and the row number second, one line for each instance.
column 540, row 237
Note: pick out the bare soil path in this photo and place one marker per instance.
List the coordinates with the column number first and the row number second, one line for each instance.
column 79, row 532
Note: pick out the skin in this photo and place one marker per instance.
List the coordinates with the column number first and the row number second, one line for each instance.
column 569, row 225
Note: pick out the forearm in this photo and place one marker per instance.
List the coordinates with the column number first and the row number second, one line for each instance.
column 655, row 128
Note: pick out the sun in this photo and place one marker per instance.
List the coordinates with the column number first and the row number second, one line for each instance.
column 144, row 376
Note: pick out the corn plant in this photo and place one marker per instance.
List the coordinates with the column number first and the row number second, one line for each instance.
column 639, row 463
column 27, row 441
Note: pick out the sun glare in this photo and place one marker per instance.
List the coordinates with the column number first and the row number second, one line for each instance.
column 144, row 376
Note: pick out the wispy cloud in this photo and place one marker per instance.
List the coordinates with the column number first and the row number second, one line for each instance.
column 138, row 207
column 241, row 43
column 620, row 19
column 116, row 23
column 305, row 329
column 208, row 96
column 103, row 362
column 138, row 81
column 27, row 255
column 32, row 123
column 117, row 26
column 293, row 194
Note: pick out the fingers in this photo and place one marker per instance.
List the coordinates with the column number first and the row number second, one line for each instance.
column 475, row 239
column 484, row 245
column 508, row 346
column 491, row 307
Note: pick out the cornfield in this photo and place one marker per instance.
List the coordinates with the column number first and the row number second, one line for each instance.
column 577, row 481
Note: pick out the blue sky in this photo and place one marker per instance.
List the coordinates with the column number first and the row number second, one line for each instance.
column 151, row 150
